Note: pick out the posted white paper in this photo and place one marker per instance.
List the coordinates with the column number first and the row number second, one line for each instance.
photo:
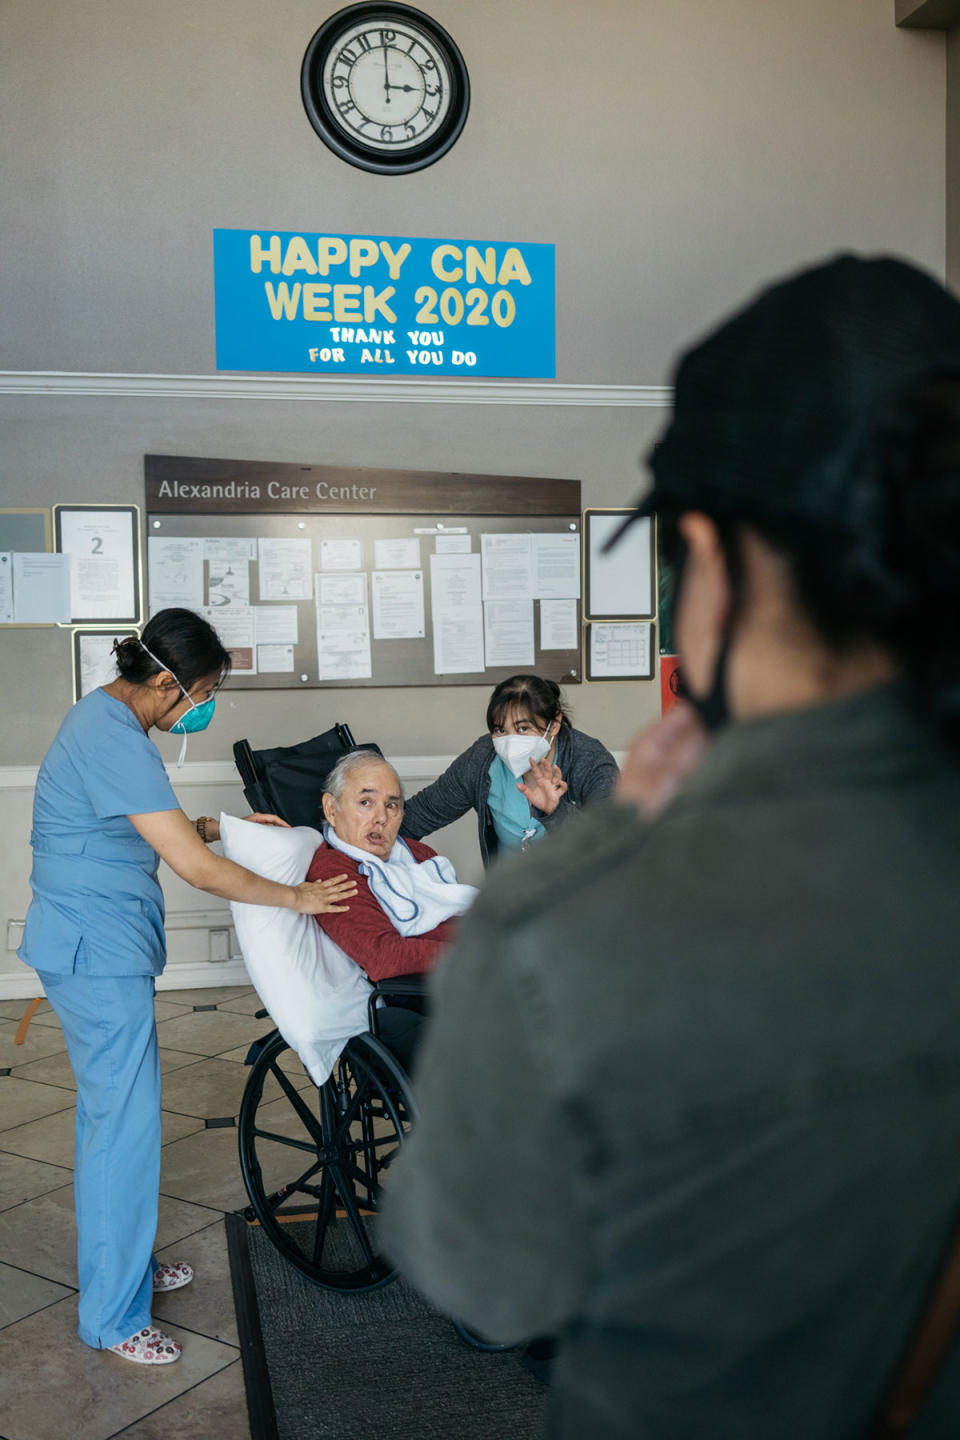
column 556, row 566
column 41, row 588
column 507, row 567
column 508, row 632
column 403, row 554
column 618, row 650
column 100, row 544
column 558, row 625
column 342, row 589
column 98, row 664
column 343, row 637
column 274, row 659
column 228, row 584
column 457, row 614
column 398, row 605
column 6, row 588
column 343, row 643
column 276, row 624
column 621, row 583
column 229, row 547
column 341, row 554
column 176, row 572
column 286, row 569
column 237, row 631
column 454, row 544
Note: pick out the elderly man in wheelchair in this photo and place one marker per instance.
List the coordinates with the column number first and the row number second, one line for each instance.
column 405, row 913
column 328, row 1103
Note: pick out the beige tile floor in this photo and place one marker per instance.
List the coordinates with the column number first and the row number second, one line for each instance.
column 52, row 1387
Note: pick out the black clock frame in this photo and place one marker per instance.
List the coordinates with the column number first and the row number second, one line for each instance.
column 324, row 119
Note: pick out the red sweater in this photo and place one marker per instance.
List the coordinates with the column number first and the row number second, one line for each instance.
column 365, row 933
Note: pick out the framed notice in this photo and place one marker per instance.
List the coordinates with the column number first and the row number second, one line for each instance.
column 94, row 663
column 103, row 543
column 618, row 585
column 619, row 651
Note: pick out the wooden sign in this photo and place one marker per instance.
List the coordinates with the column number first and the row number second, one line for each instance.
column 191, row 485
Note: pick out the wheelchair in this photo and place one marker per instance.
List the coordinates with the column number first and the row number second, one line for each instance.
column 315, row 1160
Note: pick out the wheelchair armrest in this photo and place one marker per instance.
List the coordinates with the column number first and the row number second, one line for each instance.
column 396, row 988
column 402, row 985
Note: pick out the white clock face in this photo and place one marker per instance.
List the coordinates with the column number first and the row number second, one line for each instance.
column 388, row 84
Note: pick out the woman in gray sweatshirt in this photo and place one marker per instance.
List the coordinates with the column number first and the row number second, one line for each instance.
column 523, row 778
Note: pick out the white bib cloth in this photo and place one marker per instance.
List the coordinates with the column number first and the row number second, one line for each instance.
column 316, row 995
column 417, row 896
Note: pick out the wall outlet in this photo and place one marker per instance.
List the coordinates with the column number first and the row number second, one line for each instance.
column 219, row 946
column 14, row 934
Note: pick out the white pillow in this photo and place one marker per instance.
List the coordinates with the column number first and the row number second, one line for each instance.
column 316, row 995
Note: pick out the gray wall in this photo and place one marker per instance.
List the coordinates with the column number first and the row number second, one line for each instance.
column 676, row 154
column 953, row 157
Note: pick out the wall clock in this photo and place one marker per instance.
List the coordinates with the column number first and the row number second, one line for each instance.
column 385, row 87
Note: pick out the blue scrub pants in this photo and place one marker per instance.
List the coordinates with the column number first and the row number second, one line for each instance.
column 110, row 1029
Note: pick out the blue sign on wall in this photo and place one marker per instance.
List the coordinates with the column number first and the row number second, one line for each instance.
column 382, row 305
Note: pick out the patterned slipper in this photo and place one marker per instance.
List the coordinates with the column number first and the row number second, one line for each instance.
column 172, row 1277
column 149, row 1347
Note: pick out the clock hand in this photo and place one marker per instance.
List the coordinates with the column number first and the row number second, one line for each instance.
column 386, row 75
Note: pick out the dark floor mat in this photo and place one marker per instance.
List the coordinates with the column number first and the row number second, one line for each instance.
column 324, row 1365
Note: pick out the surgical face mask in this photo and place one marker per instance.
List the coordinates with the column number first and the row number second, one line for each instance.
column 198, row 718
column 518, row 752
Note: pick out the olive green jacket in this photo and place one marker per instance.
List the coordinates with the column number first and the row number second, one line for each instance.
column 691, row 1097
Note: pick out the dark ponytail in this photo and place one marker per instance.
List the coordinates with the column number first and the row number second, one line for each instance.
column 182, row 641
column 918, row 460
column 894, row 578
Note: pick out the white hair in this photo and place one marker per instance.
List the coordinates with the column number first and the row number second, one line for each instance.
column 355, row 760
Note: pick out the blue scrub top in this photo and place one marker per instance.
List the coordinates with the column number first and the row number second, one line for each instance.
column 95, row 889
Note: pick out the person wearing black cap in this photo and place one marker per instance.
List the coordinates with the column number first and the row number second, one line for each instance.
column 691, row 1098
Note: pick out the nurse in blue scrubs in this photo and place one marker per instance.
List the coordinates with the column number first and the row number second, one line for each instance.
column 104, row 814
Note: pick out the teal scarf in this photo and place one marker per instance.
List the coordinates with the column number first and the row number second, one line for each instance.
column 510, row 810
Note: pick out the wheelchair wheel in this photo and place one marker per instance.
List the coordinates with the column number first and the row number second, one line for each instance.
column 314, row 1161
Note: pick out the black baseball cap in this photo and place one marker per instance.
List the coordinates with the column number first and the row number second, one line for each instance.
column 773, row 408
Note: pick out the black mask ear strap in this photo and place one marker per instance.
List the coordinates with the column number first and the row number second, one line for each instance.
column 712, row 707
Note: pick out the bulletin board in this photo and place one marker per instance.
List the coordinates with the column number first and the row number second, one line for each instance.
column 361, row 578
column 24, row 529
column 24, row 533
